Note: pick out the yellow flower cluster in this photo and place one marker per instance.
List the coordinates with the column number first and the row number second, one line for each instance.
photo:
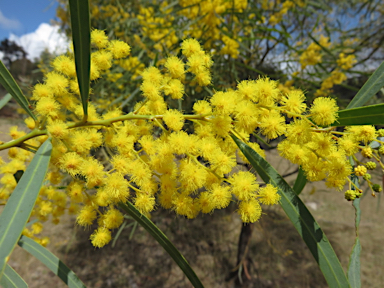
column 312, row 55
column 154, row 27
column 337, row 76
column 151, row 160
column 278, row 16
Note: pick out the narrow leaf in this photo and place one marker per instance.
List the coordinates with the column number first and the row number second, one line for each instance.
column 354, row 265
column 51, row 261
column 163, row 240
column 354, row 273
column 301, row 218
column 11, row 86
column 300, row 182
column 368, row 115
column 81, row 34
column 5, row 100
column 19, row 206
column 369, row 89
column 11, row 279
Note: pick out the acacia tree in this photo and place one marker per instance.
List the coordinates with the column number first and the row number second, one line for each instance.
column 309, row 45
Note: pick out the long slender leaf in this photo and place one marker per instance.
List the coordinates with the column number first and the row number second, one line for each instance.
column 354, row 265
column 81, row 34
column 11, row 279
column 354, row 259
column 19, row 206
column 5, row 100
column 301, row 218
column 368, row 115
column 11, row 86
column 51, row 261
column 369, row 89
column 163, row 240
column 300, row 182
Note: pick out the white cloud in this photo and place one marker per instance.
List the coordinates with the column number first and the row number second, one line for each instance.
column 9, row 24
column 45, row 36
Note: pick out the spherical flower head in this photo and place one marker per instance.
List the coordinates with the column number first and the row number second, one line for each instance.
column 366, row 133
column 190, row 47
column 41, row 91
column 299, row 131
column 152, row 75
column 244, row 186
column 324, row 111
column 273, row 125
column 86, row 216
column 102, row 59
column 202, row 107
column 174, row 88
column 174, row 119
column 71, row 163
column 80, row 141
column 175, row 67
column 141, row 173
column 99, row 39
column 45, row 208
column 65, row 65
column 268, row 195
column 348, row 144
column 95, row 70
column 113, row 219
column 47, row 107
column 58, row 129
column 196, row 63
column 222, row 163
column 219, row 196
column 206, row 205
column 181, row 142
column 30, row 122
column 150, row 90
column 221, row 125
column 119, row 49
column 360, row 170
column 223, row 102
column 145, row 203
column 9, row 182
column 14, row 133
column 266, row 91
column 183, row 205
column 117, row 187
column 192, row 177
column 203, row 77
column 315, row 169
column 58, row 83
column 249, row 211
column 37, row 228
column 93, row 171
column 248, row 89
column 293, row 103
column 101, row 237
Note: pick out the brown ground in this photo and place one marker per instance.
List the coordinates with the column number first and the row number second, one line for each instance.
column 277, row 256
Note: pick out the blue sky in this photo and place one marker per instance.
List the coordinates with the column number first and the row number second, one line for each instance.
column 24, row 16
column 28, row 23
